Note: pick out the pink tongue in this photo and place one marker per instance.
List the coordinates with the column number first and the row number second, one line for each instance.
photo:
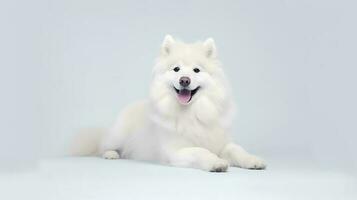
column 184, row 96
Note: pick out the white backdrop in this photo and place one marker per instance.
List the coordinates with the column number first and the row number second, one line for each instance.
column 75, row 63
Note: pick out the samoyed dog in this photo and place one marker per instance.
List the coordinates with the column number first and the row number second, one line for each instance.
column 185, row 121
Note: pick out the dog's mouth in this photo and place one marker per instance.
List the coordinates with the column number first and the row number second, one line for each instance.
column 184, row 95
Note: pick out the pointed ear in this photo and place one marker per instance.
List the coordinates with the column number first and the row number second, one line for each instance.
column 166, row 46
column 210, row 48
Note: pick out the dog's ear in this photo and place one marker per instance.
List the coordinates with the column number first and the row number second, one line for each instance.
column 210, row 48
column 166, row 46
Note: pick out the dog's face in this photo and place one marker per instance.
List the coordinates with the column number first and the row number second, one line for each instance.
column 187, row 79
column 186, row 75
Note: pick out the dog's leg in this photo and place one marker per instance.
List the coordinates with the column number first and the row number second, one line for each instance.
column 109, row 145
column 110, row 154
column 238, row 157
column 200, row 158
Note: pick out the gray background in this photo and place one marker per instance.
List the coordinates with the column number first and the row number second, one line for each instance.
column 76, row 63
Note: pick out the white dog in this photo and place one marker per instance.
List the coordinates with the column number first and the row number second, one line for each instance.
column 185, row 121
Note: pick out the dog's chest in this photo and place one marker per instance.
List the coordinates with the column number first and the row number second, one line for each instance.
column 211, row 136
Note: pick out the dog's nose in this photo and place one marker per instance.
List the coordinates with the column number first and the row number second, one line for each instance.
column 185, row 81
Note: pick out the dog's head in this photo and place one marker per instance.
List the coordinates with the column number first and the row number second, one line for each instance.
column 186, row 75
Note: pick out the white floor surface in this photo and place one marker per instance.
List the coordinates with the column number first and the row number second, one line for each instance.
column 98, row 179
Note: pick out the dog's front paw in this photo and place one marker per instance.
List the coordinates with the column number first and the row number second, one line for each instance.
column 111, row 155
column 252, row 162
column 219, row 166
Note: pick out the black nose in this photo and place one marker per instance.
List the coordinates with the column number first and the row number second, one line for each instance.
column 185, row 81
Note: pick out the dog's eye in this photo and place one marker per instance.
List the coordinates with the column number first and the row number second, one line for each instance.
column 176, row 69
column 196, row 70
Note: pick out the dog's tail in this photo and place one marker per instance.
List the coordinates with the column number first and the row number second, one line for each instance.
column 86, row 142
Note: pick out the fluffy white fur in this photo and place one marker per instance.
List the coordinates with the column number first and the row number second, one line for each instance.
column 163, row 130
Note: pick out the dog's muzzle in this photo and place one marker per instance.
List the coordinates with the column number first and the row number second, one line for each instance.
column 185, row 95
